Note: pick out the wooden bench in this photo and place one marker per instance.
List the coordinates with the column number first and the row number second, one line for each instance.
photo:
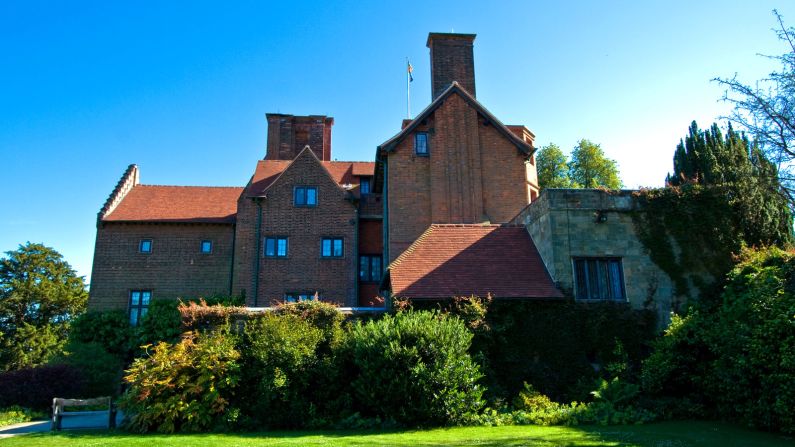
column 59, row 405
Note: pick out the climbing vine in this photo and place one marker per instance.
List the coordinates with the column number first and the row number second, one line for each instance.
column 691, row 232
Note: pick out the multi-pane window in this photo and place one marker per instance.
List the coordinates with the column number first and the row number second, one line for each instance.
column 421, row 143
column 331, row 247
column 207, row 247
column 276, row 247
column 599, row 279
column 145, row 246
column 364, row 185
column 305, row 196
column 292, row 297
column 370, row 268
column 139, row 304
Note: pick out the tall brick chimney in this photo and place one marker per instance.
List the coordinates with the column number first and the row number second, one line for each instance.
column 289, row 134
column 451, row 60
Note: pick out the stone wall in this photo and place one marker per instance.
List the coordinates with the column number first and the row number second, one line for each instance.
column 568, row 223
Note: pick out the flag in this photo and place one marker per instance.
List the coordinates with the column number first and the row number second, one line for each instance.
column 410, row 69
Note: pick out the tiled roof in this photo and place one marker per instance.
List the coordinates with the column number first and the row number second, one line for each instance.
column 343, row 172
column 156, row 203
column 456, row 260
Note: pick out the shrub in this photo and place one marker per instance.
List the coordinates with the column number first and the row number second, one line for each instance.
column 414, row 367
column 279, row 357
column 184, row 387
column 736, row 361
column 16, row 414
column 35, row 388
column 102, row 370
column 323, row 316
column 162, row 323
column 201, row 316
column 110, row 329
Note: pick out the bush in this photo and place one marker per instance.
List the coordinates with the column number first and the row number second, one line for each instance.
column 102, row 370
column 414, row 367
column 739, row 357
column 201, row 316
column 162, row 323
column 110, row 329
column 35, row 388
column 16, row 414
column 279, row 358
column 184, row 387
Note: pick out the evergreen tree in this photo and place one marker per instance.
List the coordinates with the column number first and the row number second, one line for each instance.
column 750, row 180
column 553, row 168
column 39, row 295
column 589, row 167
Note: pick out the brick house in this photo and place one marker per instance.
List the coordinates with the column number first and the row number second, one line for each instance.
column 448, row 207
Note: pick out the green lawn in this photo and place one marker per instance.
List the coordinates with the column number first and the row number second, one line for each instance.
column 667, row 434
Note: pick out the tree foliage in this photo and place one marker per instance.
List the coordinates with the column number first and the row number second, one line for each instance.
column 553, row 168
column 39, row 294
column 590, row 168
column 767, row 109
column 751, row 185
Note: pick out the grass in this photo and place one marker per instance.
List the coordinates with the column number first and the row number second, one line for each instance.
column 667, row 434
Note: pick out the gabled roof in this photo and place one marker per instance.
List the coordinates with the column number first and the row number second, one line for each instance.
column 342, row 172
column 391, row 143
column 469, row 259
column 183, row 204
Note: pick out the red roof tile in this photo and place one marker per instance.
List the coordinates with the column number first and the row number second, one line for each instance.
column 342, row 172
column 463, row 260
column 155, row 203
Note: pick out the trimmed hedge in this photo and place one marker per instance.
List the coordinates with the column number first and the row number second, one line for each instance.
column 35, row 388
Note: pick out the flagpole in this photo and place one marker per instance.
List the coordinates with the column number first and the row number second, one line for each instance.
column 408, row 89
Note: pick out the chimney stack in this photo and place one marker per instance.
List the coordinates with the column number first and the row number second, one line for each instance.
column 451, row 60
column 289, row 134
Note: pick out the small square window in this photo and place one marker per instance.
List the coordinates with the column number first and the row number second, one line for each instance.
column 207, row 247
column 276, row 247
column 139, row 304
column 145, row 246
column 305, row 196
column 332, row 247
column 421, row 143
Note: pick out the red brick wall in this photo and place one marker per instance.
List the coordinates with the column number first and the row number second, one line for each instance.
column 245, row 248
column 289, row 134
column 371, row 242
column 304, row 269
column 175, row 267
column 474, row 174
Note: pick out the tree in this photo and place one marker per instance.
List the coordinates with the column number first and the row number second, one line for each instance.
column 591, row 169
column 748, row 178
column 766, row 110
column 39, row 294
column 553, row 168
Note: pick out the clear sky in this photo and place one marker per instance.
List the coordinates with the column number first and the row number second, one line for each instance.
column 182, row 88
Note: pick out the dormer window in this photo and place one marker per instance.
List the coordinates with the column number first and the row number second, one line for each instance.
column 421, row 143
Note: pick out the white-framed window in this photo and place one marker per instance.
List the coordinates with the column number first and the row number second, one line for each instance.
column 276, row 247
column 599, row 278
column 293, row 297
column 305, row 196
column 206, row 247
column 421, row 143
column 145, row 246
column 139, row 305
column 332, row 247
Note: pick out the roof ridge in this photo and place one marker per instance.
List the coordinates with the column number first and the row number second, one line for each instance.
column 126, row 183
column 189, row 186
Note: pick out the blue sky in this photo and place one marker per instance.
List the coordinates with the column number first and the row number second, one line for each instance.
column 182, row 88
